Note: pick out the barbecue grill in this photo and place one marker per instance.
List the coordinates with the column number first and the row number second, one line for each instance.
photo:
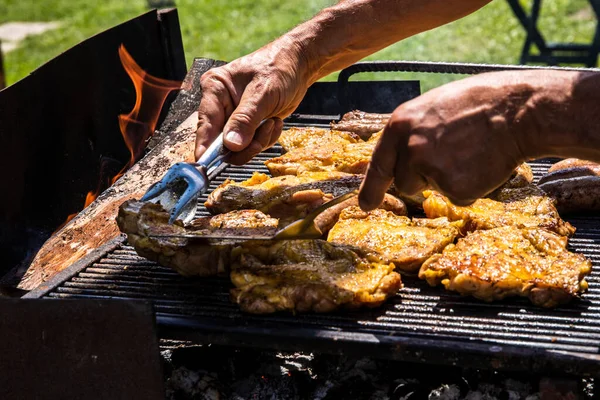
column 420, row 324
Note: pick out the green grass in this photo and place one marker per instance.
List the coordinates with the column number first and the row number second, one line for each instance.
column 226, row 30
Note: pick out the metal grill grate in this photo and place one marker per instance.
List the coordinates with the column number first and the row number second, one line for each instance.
column 420, row 324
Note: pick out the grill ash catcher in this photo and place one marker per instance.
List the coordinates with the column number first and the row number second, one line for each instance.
column 421, row 324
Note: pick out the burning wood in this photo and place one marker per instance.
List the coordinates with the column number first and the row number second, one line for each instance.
column 96, row 225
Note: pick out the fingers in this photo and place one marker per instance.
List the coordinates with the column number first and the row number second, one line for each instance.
column 380, row 173
column 216, row 104
column 373, row 187
column 245, row 119
column 389, row 163
column 261, row 140
column 276, row 132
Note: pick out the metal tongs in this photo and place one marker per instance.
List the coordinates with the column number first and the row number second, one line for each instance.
column 179, row 189
column 305, row 228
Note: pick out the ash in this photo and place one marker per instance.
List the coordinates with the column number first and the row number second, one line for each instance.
column 212, row 372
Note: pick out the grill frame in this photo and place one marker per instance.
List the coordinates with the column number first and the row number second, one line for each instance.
column 419, row 325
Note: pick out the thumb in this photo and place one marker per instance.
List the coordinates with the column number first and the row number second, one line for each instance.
column 243, row 122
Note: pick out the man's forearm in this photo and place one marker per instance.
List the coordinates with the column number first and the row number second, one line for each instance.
column 564, row 115
column 342, row 34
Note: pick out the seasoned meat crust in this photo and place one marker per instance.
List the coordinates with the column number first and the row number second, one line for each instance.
column 509, row 261
column 294, row 138
column 362, row 123
column 309, row 276
column 403, row 241
column 286, row 197
column 328, row 218
column 291, row 198
column 521, row 177
column 269, row 276
column 525, row 207
column 189, row 257
column 352, row 158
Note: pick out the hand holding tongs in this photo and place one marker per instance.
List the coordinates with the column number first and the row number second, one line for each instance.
column 173, row 193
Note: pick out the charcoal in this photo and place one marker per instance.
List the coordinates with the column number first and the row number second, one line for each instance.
column 445, row 392
column 213, row 372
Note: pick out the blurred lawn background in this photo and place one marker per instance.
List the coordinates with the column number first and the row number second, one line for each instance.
column 229, row 29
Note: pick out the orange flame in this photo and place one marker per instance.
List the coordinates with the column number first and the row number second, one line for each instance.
column 137, row 126
column 150, row 95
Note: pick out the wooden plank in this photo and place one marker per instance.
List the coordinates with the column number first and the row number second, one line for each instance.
column 59, row 129
column 96, row 225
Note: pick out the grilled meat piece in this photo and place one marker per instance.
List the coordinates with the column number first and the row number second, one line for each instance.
column 564, row 175
column 269, row 276
column 509, row 261
column 291, row 198
column 575, row 184
column 362, row 123
column 523, row 176
column 406, row 243
column 351, row 158
column 525, row 207
column 294, row 138
column 328, row 218
column 309, row 276
column 189, row 257
column 281, row 196
column 570, row 168
column 576, row 194
column 569, row 163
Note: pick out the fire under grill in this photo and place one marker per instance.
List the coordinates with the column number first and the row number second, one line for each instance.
column 420, row 324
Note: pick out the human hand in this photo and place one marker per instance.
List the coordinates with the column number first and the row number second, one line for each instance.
column 265, row 85
column 465, row 138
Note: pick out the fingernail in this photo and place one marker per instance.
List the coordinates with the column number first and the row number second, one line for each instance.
column 364, row 202
column 234, row 137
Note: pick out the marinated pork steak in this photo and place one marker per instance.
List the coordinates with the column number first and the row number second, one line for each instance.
column 294, row 138
column 352, row 158
column 525, row 207
column 289, row 197
column 509, row 261
column 362, row 123
column 400, row 240
column 189, row 257
column 309, row 276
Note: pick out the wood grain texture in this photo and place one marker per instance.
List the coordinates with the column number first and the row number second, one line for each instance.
column 95, row 225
